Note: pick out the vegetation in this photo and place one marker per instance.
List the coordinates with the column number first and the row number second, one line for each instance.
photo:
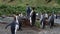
column 6, row 9
column 37, row 24
column 18, row 6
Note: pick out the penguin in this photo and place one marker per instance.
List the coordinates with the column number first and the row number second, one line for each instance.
column 14, row 26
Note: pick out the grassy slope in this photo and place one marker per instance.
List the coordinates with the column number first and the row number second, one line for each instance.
column 31, row 2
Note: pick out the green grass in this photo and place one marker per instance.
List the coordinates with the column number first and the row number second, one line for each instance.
column 37, row 24
column 53, row 3
column 18, row 6
column 7, row 9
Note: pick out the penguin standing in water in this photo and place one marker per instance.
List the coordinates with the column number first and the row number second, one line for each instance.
column 28, row 10
column 20, row 17
column 44, row 19
column 41, row 17
column 14, row 26
column 33, row 16
column 52, row 21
